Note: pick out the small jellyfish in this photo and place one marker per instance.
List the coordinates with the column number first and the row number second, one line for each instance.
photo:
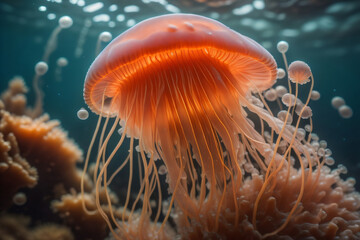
column 345, row 111
column 288, row 99
column 103, row 37
column 280, row 73
column 299, row 72
column 82, row 114
column 305, row 111
column 270, row 95
column 315, row 95
column 281, row 90
column 19, row 199
column 337, row 102
column 282, row 115
column 323, row 143
column 300, row 134
column 329, row 161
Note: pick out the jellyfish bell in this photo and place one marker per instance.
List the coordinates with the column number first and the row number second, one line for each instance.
column 180, row 83
column 299, row 72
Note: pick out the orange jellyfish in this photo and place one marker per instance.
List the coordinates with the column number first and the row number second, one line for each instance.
column 183, row 88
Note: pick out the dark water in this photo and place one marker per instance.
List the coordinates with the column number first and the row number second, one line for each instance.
column 326, row 35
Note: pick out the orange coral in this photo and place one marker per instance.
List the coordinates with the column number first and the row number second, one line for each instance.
column 13, row 98
column 15, row 171
column 84, row 224
column 328, row 210
column 13, row 227
column 46, row 147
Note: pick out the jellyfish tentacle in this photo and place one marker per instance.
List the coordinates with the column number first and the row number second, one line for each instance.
column 87, row 163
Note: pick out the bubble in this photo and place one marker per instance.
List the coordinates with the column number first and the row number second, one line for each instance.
column 307, row 113
column 282, row 115
column 337, row 102
column 162, row 170
column 315, row 95
column 288, row 99
column 282, row 46
column 41, row 68
column 65, row 22
column 280, row 73
column 345, row 111
column 281, row 90
column 270, row 95
column 329, row 161
column 19, row 199
column 301, row 133
column 62, row 62
column 83, row 114
column 105, row 37
column 323, row 143
column 307, row 127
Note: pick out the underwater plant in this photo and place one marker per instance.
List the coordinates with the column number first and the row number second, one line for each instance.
column 190, row 91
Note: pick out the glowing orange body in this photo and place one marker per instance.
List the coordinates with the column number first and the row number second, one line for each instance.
column 177, row 81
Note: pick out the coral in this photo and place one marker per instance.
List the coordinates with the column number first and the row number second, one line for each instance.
column 52, row 232
column 329, row 210
column 14, row 227
column 14, row 99
column 15, row 171
column 85, row 225
column 135, row 229
column 46, row 147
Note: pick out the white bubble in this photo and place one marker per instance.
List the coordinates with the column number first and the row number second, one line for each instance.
column 83, row 114
column 345, row 111
column 315, row 95
column 270, row 95
column 243, row 10
column 281, row 90
column 282, row 116
column 131, row 9
column 282, row 46
column 329, row 161
column 19, row 199
column 41, row 68
column 288, row 99
column 42, row 8
column 105, row 36
column 93, row 7
column 62, row 62
column 280, row 73
column 337, row 102
column 130, row 22
column 162, row 170
column 65, row 22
